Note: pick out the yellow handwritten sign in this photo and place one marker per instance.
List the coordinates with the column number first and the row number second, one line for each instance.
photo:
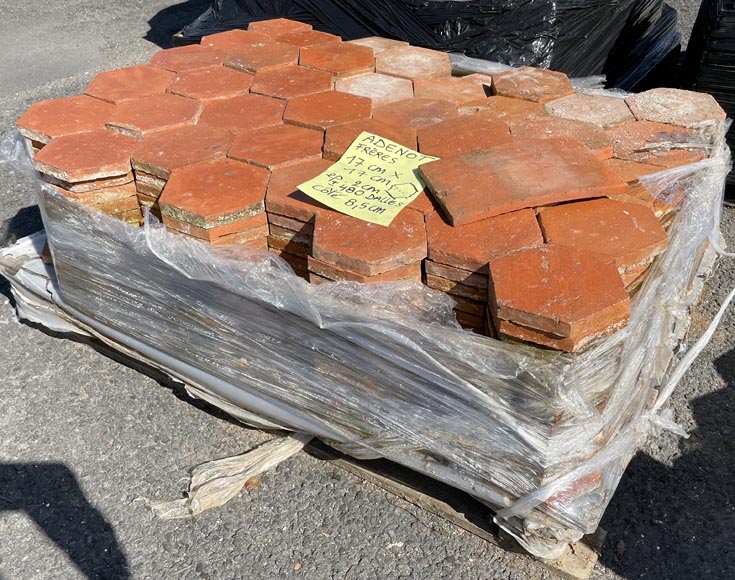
column 373, row 181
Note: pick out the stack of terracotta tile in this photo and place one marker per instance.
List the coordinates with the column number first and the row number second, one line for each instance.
column 538, row 216
column 93, row 169
column 346, row 249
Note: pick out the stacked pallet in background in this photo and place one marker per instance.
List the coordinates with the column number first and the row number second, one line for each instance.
column 537, row 220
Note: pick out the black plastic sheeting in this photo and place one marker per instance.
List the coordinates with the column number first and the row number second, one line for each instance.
column 572, row 36
column 710, row 60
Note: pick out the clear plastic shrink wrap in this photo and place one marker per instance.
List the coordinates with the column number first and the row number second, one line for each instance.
column 384, row 370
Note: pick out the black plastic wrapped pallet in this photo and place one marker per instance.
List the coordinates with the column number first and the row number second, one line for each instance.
column 647, row 50
column 708, row 66
column 573, row 36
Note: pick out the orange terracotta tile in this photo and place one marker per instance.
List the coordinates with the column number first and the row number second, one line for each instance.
column 288, row 246
column 524, row 173
column 472, row 246
column 627, row 232
column 675, row 107
column 508, row 110
column 380, row 89
column 322, row 110
column 336, row 274
column 630, row 171
column 341, row 60
column 339, row 137
column 86, row 156
column 518, row 332
column 412, row 62
column 461, row 135
column 596, row 109
column 305, row 38
column 129, row 83
column 655, row 143
column 559, row 290
column 140, row 117
column 454, row 288
column 164, row 151
column 211, row 234
column 90, row 184
column 423, row 204
column 242, row 113
column 462, row 91
column 275, row 26
column 286, row 199
column 278, row 145
column 232, row 39
column 189, row 57
column 206, row 84
column 464, row 277
column 257, row 238
column 378, row 43
column 291, row 81
column 415, row 113
column 216, row 193
column 532, row 84
column 261, row 56
column 367, row 248
column 591, row 136
column 47, row 120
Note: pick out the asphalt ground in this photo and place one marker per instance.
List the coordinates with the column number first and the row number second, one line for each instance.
column 83, row 437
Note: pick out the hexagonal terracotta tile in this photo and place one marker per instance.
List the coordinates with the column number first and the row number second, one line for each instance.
column 243, row 113
column 261, row 56
column 508, row 110
column 656, row 143
column 213, row 194
column 271, row 147
column 367, row 248
column 47, row 120
column 378, row 43
column 380, row 89
column 291, row 81
column 129, row 83
column 675, row 107
column 462, row 91
column 560, row 290
column 596, row 109
column 461, row 135
column 591, row 136
column 215, row 82
column 188, row 57
column 472, row 246
column 305, row 38
column 284, row 197
column 329, row 272
column 523, row 173
column 86, row 156
column 339, row 137
column 232, row 39
column 416, row 113
column 341, row 60
column 532, row 84
column 276, row 26
column 322, row 110
column 161, row 153
column 412, row 62
column 630, row 171
column 139, row 117
column 256, row 225
column 627, row 232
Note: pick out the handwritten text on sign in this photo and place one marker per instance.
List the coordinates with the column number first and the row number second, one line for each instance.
column 373, row 181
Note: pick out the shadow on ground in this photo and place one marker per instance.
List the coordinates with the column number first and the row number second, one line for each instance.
column 50, row 495
column 171, row 20
column 683, row 524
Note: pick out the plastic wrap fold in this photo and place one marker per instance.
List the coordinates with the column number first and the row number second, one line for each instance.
column 384, row 370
